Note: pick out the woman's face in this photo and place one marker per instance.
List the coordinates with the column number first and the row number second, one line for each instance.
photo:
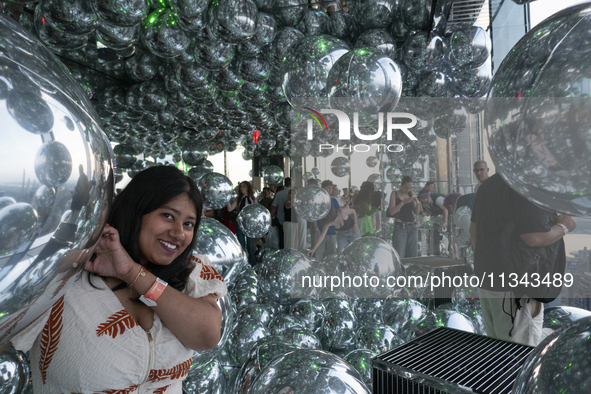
column 167, row 231
column 405, row 188
column 243, row 189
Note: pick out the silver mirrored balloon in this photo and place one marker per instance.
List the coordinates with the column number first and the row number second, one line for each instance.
column 559, row 317
column 469, row 46
column 378, row 39
column 206, row 378
column 195, row 153
column 312, row 203
column 289, row 12
column 282, row 271
column 216, row 190
column 254, row 220
column 51, row 140
column 375, row 13
column 360, row 359
column 273, row 175
column 233, row 20
column 74, row 17
column 14, row 372
column 441, row 318
column 374, row 258
column 339, row 331
column 559, row 364
column 243, row 338
column 220, row 245
column 369, row 77
column 378, row 338
column 543, row 153
column 264, row 351
column 121, row 12
column 306, row 66
column 228, row 320
column 341, row 166
column 309, row 371
column 163, row 35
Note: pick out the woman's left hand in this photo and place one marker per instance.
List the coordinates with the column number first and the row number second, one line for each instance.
column 111, row 259
column 355, row 229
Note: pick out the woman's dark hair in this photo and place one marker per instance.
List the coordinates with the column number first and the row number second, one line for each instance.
column 406, row 179
column 249, row 190
column 376, row 199
column 364, row 193
column 148, row 191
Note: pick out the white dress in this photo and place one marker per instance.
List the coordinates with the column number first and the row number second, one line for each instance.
column 88, row 343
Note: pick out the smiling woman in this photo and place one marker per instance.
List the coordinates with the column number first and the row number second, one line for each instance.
column 147, row 304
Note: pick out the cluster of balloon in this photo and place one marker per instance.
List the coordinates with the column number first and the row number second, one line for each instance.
column 56, row 185
column 278, row 341
column 543, row 151
column 220, row 72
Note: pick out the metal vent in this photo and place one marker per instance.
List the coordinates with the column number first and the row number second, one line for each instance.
column 469, row 11
column 449, row 361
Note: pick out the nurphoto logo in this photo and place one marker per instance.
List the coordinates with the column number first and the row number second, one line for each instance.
column 393, row 120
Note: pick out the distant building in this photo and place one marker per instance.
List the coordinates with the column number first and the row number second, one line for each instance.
column 583, row 293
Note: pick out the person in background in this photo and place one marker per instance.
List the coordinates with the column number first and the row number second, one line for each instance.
column 332, row 219
column 328, row 245
column 276, row 212
column 336, row 195
column 429, row 187
column 245, row 197
column 266, row 199
column 346, row 198
column 508, row 233
column 362, row 201
column 311, row 225
column 481, row 172
column 349, row 231
column 463, row 211
column 403, row 206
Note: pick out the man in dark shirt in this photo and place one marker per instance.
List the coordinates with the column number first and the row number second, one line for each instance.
column 429, row 187
column 496, row 204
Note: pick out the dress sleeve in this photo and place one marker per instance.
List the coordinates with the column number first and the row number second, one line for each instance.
column 205, row 279
column 25, row 339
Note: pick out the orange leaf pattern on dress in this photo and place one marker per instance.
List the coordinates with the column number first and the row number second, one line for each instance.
column 50, row 337
column 10, row 324
column 208, row 273
column 161, row 390
column 128, row 390
column 116, row 324
column 177, row 372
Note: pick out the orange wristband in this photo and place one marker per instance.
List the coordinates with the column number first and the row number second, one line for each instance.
column 154, row 293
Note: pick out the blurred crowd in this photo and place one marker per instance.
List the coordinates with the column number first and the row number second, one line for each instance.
column 418, row 220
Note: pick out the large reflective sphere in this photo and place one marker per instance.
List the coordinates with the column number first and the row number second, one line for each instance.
column 372, row 257
column 312, row 203
column 228, row 319
column 254, row 220
column 560, row 363
column 14, row 372
column 216, row 190
column 341, row 166
column 121, row 12
column 307, row 65
column 543, row 148
column 55, row 160
column 308, row 371
column 273, row 175
column 279, row 273
column 220, row 245
column 162, row 34
column 370, row 77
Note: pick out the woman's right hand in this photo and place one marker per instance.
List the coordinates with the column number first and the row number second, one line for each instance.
column 408, row 200
column 110, row 258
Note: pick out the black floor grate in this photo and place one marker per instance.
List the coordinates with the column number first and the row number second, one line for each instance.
column 449, row 361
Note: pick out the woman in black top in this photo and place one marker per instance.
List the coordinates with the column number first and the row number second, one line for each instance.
column 403, row 206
